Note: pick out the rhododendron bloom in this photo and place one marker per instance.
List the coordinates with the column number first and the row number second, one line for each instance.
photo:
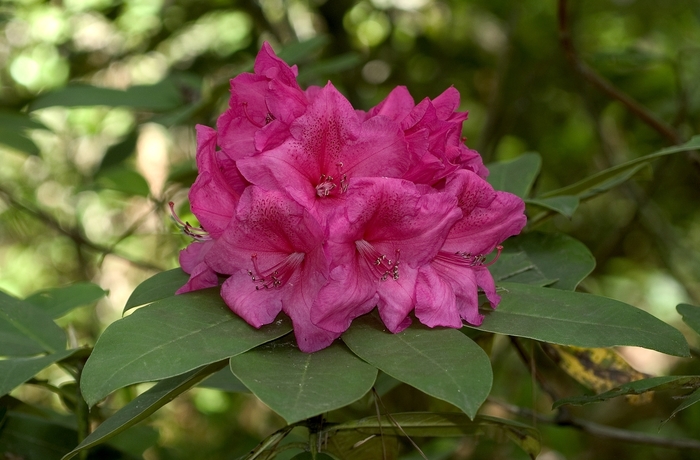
column 377, row 242
column 273, row 252
column 310, row 207
column 446, row 289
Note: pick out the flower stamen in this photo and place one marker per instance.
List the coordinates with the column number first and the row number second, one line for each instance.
column 379, row 264
column 277, row 275
column 198, row 233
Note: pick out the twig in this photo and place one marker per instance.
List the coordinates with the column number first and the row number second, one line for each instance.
column 596, row 429
column 605, row 86
column 72, row 233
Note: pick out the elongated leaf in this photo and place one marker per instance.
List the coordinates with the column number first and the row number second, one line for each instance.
column 15, row 121
column 335, row 65
column 59, row 301
column 353, row 445
column 123, row 179
column 144, row 405
column 691, row 315
column 443, row 363
column 117, row 153
column 157, row 287
column 580, row 320
column 599, row 369
column 16, row 371
column 224, row 380
column 159, row 97
column 565, row 205
column 605, row 180
column 515, row 176
column 299, row 385
column 17, row 140
column 294, row 52
column 635, row 388
column 168, row 338
column 445, row 424
column 551, row 259
column 689, row 400
column 25, row 330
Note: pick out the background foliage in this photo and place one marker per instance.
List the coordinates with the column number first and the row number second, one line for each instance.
column 86, row 171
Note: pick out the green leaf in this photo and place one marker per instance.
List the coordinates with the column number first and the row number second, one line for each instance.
column 577, row 319
column 168, row 338
column 299, row 385
column 18, row 141
column 157, row 98
column 611, row 177
column 123, row 179
column 160, row 286
column 515, row 176
column 16, row 371
column 25, row 330
column 295, row 52
column 353, row 445
column 224, row 380
column 309, row 456
column 691, row 315
column 565, row 205
column 335, row 65
column 446, row 424
column 144, row 405
column 689, row 400
column 59, row 301
column 544, row 259
column 117, row 153
column 13, row 121
column 635, row 388
column 443, row 363
column 29, row 436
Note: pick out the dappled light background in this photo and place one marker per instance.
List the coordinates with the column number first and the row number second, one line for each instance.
column 84, row 190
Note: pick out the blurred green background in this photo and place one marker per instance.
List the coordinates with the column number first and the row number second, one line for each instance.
column 86, row 174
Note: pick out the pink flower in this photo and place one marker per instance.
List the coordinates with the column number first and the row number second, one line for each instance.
column 387, row 229
column 446, row 289
column 312, row 208
column 273, row 252
column 328, row 146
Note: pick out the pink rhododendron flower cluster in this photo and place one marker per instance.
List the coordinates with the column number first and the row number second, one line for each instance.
column 311, row 207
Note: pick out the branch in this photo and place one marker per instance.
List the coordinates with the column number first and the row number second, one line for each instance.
column 72, row 233
column 603, row 431
column 605, row 86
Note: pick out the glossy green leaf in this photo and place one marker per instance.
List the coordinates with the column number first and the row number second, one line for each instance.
column 295, row 52
column 565, row 205
column 25, row 330
column 59, row 301
column 611, row 177
column 299, row 385
column 552, row 259
column 32, row 437
column 515, row 176
column 144, row 405
column 577, row 319
column 224, row 380
column 16, row 371
column 160, row 286
column 159, row 97
column 691, row 315
column 637, row 387
column 123, row 179
column 443, row 363
column 168, row 338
